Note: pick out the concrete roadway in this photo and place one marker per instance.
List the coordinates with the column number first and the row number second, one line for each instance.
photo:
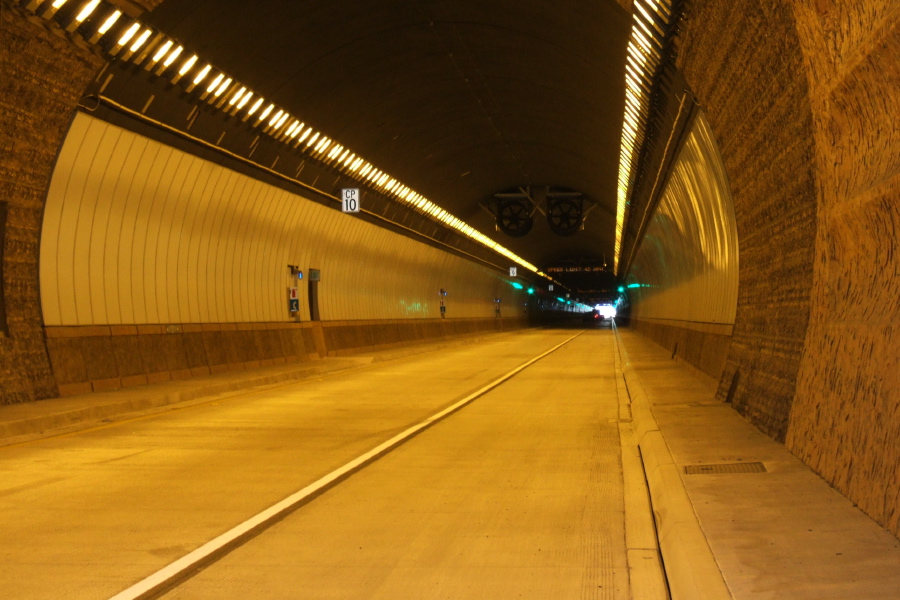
column 517, row 495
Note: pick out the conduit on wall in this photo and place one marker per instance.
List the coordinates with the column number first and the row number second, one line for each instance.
column 138, row 232
column 686, row 267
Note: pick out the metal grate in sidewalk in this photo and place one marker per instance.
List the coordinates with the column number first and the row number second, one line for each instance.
column 741, row 467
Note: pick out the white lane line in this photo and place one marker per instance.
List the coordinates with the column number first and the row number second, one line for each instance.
column 165, row 577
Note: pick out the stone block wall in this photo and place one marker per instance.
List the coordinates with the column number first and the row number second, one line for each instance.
column 744, row 62
column 803, row 97
column 107, row 357
column 845, row 421
column 42, row 76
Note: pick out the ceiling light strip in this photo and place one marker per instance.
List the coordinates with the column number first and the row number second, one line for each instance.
column 113, row 34
column 650, row 23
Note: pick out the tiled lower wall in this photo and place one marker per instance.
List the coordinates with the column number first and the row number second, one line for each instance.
column 98, row 358
column 703, row 345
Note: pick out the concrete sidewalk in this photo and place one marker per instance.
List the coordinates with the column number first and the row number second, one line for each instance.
column 780, row 533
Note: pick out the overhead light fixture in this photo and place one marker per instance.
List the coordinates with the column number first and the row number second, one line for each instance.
column 187, row 65
column 172, row 56
column 245, row 100
column 642, row 61
column 109, row 22
column 222, row 87
column 140, row 41
column 88, row 9
column 255, row 107
column 162, row 51
column 218, row 95
column 129, row 33
column 202, row 74
column 237, row 96
column 215, row 82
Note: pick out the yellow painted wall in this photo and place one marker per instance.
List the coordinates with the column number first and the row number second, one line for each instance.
column 687, row 263
column 138, row 232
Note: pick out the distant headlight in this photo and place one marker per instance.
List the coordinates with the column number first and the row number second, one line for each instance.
column 606, row 311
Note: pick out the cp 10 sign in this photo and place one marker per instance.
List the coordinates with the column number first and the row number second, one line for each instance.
column 350, row 200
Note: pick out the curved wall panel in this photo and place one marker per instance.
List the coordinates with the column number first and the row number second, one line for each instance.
column 687, row 264
column 683, row 283
column 136, row 232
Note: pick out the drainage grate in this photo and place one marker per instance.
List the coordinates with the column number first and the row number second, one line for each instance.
column 741, row 467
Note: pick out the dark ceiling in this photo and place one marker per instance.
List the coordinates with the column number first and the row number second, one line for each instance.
column 458, row 99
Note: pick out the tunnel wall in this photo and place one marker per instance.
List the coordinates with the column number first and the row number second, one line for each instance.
column 802, row 97
column 845, row 420
column 157, row 264
column 683, row 282
column 43, row 76
column 744, row 62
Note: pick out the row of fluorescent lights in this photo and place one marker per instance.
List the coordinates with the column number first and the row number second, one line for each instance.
column 101, row 23
column 650, row 24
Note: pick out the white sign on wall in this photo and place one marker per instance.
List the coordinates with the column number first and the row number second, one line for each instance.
column 350, row 200
column 512, row 271
column 550, row 287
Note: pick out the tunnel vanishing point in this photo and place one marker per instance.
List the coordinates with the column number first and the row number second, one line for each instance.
column 192, row 188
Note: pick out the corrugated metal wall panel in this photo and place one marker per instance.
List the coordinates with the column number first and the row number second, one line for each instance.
column 137, row 232
column 687, row 263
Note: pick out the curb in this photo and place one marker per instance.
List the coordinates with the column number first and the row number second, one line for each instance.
column 691, row 568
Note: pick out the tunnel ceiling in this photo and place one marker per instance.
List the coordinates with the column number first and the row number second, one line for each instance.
column 459, row 100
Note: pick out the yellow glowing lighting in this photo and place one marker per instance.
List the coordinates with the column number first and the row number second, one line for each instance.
column 140, row 41
column 109, row 22
column 338, row 154
column 637, row 35
column 162, row 51
column 202, row 74
column 174, row 54
column 223, row 87
column 89, row 8
column 643, row 11
column 237, row 96
column 266, row 112
column 641, row 63
column 187, row 65
column 644, row 27
column 129, row 34
column 275, row 118
column 255, row 107
column 215, row 82
column 245, row 100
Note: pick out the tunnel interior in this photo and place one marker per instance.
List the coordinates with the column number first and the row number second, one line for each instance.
column 154, row 229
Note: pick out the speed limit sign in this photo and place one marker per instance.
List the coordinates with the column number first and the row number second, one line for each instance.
column 350, row 200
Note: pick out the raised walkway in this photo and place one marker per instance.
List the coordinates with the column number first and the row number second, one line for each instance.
column 775, row 529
